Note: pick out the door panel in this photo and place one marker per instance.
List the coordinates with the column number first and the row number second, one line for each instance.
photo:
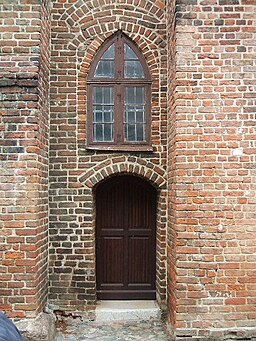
column 139, row 267
column 125, row 237
column 112, row 253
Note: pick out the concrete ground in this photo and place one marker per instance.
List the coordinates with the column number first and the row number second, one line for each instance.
column 113, row 331
column 117, row 321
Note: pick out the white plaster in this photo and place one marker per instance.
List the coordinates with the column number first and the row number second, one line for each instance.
column 237, row 152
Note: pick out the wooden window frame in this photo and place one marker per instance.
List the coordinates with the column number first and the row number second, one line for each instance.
column 119, row 83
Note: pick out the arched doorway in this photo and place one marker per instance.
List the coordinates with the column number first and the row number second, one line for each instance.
column 126, row 238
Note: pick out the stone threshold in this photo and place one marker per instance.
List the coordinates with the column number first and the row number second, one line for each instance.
column 127, row 310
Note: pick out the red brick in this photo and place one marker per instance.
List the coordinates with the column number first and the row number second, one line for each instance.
column 203, row 135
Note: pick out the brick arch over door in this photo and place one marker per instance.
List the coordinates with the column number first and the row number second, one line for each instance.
column 133, row 165
column 155, row 175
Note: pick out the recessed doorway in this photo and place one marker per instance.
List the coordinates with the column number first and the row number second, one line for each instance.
column 126, row 239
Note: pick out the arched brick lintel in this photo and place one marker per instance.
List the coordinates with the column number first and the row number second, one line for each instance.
column 136, row 166
column 77, row 13
column 146, row 40
column 155, row 175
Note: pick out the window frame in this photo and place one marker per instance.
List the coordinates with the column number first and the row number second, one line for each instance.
column 119, row 83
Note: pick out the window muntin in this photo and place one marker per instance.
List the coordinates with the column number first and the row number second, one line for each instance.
column 119, row 97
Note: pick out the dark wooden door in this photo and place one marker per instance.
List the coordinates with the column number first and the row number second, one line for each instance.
column 126, row 238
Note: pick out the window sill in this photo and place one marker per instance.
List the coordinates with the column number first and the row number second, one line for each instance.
column 123, row 148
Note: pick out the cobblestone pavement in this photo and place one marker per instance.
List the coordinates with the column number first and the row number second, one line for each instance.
column 113, row 331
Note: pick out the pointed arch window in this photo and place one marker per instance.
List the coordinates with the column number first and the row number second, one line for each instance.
column 119, row 98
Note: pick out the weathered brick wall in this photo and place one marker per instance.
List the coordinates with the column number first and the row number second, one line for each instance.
column 78, row 30
column 24, row 33
column 208, row 137
column 171, row 175
column 214, row 169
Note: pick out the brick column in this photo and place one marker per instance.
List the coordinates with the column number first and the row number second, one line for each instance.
column 212, row 153
column 171, row 170
column 24, row 128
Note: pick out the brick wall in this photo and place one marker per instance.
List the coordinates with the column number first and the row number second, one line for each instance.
column 203, row 159
column 171, row 174
column 78, row 30
column 24, row 32
column 214, row 174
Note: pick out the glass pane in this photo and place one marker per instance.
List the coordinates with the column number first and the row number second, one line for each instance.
column 108, row 96
column 134, row 121
column 103, row 132
column 98, row 132
column 103, row 95
column 135, row 95
column 129, row 53
column 133, row 69
column 139, row 95
column 132, row 65
column 108, row 114
column 110, row 53
column 134, row 115
column 108, row 132
column 103, row 114
column 105, row 67
column 140, row 132
column 130, row 134
column 129, row 95
column 131, row 116
column 97, row 117
column 139, row 115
